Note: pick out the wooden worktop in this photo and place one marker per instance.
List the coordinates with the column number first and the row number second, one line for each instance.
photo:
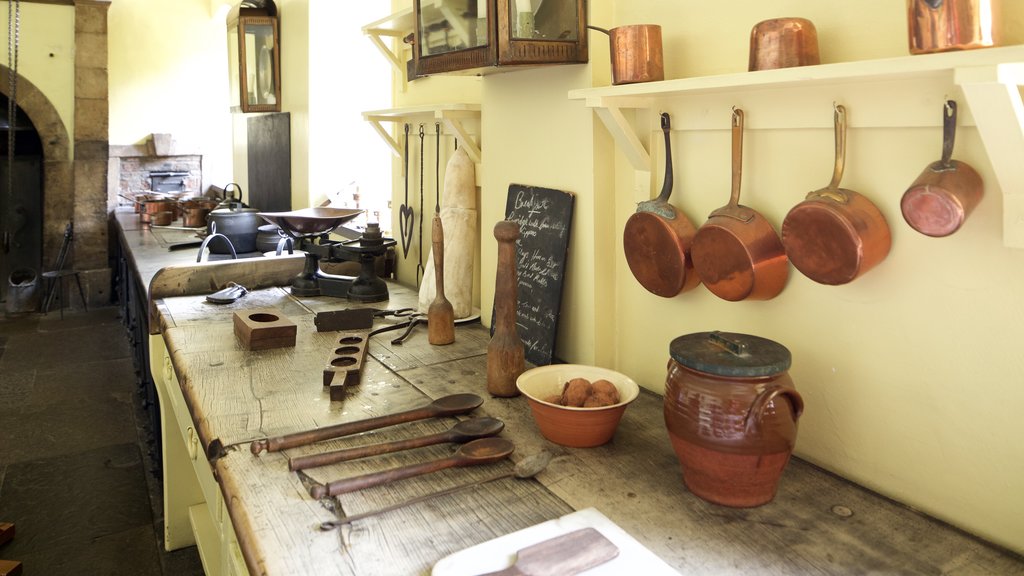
column 818, row 523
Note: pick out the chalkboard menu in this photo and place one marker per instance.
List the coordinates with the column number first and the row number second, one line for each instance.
column 544, row 216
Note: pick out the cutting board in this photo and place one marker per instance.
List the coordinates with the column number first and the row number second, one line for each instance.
column 501, row 552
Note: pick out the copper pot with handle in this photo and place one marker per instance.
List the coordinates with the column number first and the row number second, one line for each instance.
column 835, row 235
column 657, row 238
column 944, row 25
column 946, row 192
column 636, row 53
column 737, row 253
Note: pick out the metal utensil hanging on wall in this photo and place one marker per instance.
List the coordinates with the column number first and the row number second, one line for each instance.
column 405, row 215
column 419, row 263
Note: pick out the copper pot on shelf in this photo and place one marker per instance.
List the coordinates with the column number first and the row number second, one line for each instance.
column 944, row 25
column 636, row 53
column 783, row 43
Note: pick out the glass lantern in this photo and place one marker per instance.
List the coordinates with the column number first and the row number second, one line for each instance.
column 481, row 36
column 254, row 59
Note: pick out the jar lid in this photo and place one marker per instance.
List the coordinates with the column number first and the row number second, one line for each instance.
column 730, row 354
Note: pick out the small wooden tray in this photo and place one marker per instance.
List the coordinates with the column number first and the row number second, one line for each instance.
column 346, row 362
column 263, row 328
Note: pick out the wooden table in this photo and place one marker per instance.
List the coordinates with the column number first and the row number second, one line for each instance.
column 214, row 393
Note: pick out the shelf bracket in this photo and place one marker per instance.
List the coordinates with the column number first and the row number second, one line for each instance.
column 465, row 138
column 397, row 25
column 624, row 135
column 993, row 94
column 384, row 134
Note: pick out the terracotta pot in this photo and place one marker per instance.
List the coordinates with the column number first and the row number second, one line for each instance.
column 783, row 43
column 731, row 411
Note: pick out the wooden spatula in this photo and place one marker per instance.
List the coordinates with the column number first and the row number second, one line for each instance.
column 563, row 555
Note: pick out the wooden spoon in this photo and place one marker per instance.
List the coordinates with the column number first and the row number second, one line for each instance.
column 464, row 431
column 526, row 468
column 445, row 406
column 440, row 314
column 483, row 451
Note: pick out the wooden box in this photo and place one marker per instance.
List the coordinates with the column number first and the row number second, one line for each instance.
column 263, row 328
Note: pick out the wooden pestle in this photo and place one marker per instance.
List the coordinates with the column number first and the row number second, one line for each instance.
column 440, row 315
column 506, row 358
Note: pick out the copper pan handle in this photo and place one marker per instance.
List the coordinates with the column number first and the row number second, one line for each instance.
column 737, row 155
column 756, row 412
column 840, row 133
column 948, row 133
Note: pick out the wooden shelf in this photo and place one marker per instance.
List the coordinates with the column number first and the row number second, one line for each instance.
column 397, row 25
column 450, row 115
column 989, row 80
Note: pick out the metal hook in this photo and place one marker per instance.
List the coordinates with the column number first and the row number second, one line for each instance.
column 950, row 107
column 737, row 116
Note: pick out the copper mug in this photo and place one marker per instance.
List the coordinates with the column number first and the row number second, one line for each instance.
column 783, row 43
column 636, row 53
column 944, row 25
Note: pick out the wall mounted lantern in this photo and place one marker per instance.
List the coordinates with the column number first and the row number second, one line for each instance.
column 254, row 57
column 481, row 36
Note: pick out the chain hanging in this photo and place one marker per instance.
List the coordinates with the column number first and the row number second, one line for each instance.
column 13, row 40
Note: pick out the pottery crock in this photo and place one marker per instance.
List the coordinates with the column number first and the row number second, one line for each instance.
column 731, row 411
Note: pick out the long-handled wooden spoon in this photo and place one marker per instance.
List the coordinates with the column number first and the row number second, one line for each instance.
column 526, row 468
column 481, row 451
column 452, row 405
column 464, row 431
column 440, row 314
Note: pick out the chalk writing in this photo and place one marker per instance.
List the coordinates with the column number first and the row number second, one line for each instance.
column 544, row 217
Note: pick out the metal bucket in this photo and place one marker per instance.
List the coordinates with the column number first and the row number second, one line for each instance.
column 22, row 291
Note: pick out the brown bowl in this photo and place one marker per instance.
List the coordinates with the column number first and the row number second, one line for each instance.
column 568, row 425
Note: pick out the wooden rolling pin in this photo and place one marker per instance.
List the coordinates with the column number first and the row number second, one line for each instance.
column 506, row 356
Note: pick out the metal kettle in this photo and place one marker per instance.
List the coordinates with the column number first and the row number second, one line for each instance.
column 945, row 25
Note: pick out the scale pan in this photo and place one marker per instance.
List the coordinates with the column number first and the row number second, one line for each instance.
column 317, row 220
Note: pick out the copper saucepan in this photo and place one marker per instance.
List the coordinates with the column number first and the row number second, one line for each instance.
column 944, row 25
column 657, row 238
column 835, row 235
column 636, row 53
column 946, row 192
column 737, row 253
column 783, row 43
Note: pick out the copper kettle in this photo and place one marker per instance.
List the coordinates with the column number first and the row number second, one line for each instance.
column 944, row 25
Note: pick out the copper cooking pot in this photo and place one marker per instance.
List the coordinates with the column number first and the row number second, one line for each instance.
column 737, row 253
column 783, row 43
column 153, row 205
column 636, row 53
column 946, row 192
column 944, row 25
column 657, row 238
column 835, row 235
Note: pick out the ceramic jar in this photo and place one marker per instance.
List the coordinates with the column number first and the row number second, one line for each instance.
column 731, row 411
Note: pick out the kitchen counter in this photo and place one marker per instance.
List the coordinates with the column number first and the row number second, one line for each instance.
column 251, row 512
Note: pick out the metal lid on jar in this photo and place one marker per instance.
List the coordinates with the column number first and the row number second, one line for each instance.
column 730, row 354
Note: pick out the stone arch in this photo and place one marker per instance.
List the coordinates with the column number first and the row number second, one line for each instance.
column 58, row 168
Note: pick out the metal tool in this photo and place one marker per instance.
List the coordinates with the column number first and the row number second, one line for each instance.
column 405, row 213
column 419, row 245
column 526, row 468
column 483, row 451
column 464, row 431
column 452, row 405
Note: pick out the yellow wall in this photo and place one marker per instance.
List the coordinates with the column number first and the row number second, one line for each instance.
column 911, row 374
column 46, row 54
column 167, row 65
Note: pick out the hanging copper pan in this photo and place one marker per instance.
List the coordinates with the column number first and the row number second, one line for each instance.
column 737, row 253
column 946, row 193
column 657, row 238
column 835, row 235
